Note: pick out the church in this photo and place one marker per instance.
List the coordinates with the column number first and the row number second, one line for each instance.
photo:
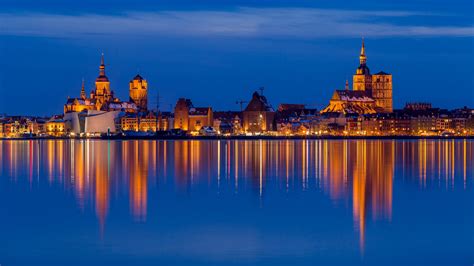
column 370, row 93
column 102, row 97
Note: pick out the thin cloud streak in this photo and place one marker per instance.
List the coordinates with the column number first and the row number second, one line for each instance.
column 304, row 23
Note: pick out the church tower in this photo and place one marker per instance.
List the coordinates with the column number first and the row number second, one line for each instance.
column 102, row 92
column 362, row 80
column 382, row 91
column 139, row 92
column 83, row 91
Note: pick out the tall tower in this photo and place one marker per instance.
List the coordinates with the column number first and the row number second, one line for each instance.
column 83, row 91
column 382, row 91
column 181, row 114
column 362, row 80
column 139, row 92
column 102, row 92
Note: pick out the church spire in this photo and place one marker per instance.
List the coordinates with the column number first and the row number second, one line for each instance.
column 362, row 57
column 83, row 91
column 102, row 66
column 347, row 85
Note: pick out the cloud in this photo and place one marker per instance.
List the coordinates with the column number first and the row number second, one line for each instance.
column 307, row 23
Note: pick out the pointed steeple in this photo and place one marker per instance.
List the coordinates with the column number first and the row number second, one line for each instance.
column 102, row 66
column 362, row 57
column 347, row 85
column 83, row 91
column 102, row 77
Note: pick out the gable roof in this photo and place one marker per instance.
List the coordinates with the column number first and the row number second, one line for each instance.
column 259, row 103
column 352, row 96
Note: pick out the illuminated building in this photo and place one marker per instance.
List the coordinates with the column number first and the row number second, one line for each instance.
column 102, row 97
column 190, row 118
column 351, row 101
column 55, row 127
column 296, row 119
column 79, row 104
column 229, row 122
column 139, row 93
column 382, row 91
column 148, row 122
column 259, row 115
column 20, row 126
column 370, row 93
column 102, row 93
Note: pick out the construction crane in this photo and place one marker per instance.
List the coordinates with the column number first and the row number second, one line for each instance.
column 158, row 112
column 241, row 102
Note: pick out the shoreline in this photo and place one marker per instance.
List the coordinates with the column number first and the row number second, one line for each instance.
column 243, row 138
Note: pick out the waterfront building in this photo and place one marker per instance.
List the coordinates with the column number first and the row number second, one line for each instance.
column 98, row 122
column 19, row 126
column 296, row 119
column 91, row 122
column 190, row 118
column 423, row 118
column 259, row 115
column 370, row 93
column 229, row 122
column 55, row 127
column 332, row 123
column 463, row 120
column 144, row 122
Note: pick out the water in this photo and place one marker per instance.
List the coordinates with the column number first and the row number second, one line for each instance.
column 269, row 202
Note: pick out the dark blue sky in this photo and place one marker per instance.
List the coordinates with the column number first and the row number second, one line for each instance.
column 216, row 52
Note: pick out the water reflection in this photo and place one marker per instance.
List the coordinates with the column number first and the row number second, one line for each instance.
column 360, row 172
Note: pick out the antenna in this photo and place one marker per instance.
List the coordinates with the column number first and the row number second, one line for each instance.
column 261, row 90
column 158, row 101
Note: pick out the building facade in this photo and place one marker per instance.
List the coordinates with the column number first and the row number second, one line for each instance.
column 139, row 93
column 145, row 123
column 259, row 115
column 190, row 118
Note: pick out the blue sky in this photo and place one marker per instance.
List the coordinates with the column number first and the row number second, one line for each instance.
column 216, row 52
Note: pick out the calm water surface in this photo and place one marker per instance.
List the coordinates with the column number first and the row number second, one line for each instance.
column 289, row 202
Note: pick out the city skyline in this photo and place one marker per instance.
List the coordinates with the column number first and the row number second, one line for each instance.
column 243, row 132
column 428, row 52
column 362, row 108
